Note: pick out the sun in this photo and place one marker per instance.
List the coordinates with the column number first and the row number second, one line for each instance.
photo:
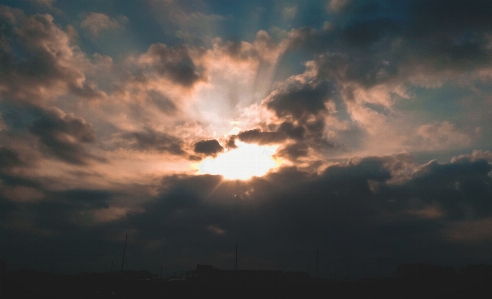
column 241, row 163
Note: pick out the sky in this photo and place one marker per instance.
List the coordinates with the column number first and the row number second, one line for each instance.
column 358, row 128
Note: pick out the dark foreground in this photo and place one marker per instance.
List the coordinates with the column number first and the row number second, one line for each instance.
column 409, row 281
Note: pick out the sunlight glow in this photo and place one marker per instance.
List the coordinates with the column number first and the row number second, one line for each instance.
column 241, row 163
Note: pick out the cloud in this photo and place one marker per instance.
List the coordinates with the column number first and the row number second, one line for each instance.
column 152, row 140
column 302, row 105
column 476, row 155
column 208, row 147
column 262, row 49
column 97, row 22
column 289, row 12
column 374, row 57
column 465, row 182
column 50, row 64
column 353, row 202
column 328, row 96
column 22, row 193
column 216, row 230
column 57, row 214
column 294, row 151
column 281, row 133
column 390, row 44
column 91, row 199
column 474, row 232
column 63, row 135
column 163, row 103
column 174, row 64
column 257, row 136
column 337, row 206
column 443, row 135
column 337, row 5
column 9, row 158
column 299, row 100
column 239, row 74
column 189, row 23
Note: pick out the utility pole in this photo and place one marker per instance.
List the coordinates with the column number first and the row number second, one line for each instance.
column 381, row 266
column 317, row 262
column 112, row 262
column 236, row 256
column 124, row 252
column 51, row 267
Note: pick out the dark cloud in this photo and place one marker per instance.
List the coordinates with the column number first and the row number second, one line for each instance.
column 382, row 42
column 83, row 198
column 462, row 189
column 299, row 100
column 294, row 151
column 63, row 135
column 9, row 158
column 345, row 205
column 349, row 211
column 208, row 147
column 231, row 142
column 257, row 136
column 293, row 131
column 284, row 131
column 60, row 135
column 153, row 140
column 236, row 50
column 362, row 34
column 174, row 64
column 301, row 104
column 44, row 63
column 162, row 102
column 279, row 134
column 443, row 38
column 10, row 201
column 16, row 180
column 355, row 69
column 372, row 54
column 452, row 16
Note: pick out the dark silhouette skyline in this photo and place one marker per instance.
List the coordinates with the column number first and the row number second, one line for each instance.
column 416, row 280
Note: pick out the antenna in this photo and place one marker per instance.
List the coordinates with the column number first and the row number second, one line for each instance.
column 124, row 252
column 236, row 256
